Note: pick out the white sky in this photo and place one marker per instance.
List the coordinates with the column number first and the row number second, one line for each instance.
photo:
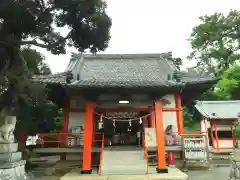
column 151, row 26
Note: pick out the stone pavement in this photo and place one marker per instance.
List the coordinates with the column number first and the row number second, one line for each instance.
column 174, row 174
column 217, row 173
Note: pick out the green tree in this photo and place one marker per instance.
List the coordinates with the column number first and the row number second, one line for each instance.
column 216, row 41
column 35, row 23
column 228, row 87
column 40, row 115
column 35, row 61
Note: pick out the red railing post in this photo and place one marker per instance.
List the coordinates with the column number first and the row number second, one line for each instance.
column 101, row 155
column 171, row 158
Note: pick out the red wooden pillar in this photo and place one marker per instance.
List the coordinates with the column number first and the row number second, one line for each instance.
column 179, row 114
column 94, row 131
column 145, row 122
column 22, row 138
column 216, row 135
column 64, row 139
column 161, row 161
column 145, row 125
column 152, row 119
column 212, row 136
column 88, row 139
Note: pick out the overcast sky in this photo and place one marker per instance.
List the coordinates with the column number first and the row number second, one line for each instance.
column 150, row 26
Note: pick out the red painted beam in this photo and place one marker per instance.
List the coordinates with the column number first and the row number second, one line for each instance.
column 65, row 121
column 161, row 161
column 124, row 109
column 179, row 114
column 88, row 139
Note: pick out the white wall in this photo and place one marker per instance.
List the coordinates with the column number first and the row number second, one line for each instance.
column 205, row 124
column 224, row 144
column 170, row 118
column 78, row 118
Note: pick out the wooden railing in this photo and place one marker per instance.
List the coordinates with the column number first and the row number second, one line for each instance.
column 145, row 150
column 58, row 138
column 145, row 155
column 101, row 154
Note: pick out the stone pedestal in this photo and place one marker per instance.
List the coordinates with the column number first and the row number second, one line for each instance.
column 235, row 169
column 12, row 167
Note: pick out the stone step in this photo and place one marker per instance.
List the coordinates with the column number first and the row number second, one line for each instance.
column 125, row 162
column 124, row 170
column 6, row 148
column 10, row 165
column 13, row 170
column 118, row 162
column 10, row 157
column 38, row 172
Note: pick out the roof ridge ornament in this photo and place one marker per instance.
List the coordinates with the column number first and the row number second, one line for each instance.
column 69, row 77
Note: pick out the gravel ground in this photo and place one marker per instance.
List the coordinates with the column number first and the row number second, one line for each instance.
column 218, row 173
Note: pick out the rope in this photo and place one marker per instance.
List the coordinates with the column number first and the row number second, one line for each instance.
column 123, row 120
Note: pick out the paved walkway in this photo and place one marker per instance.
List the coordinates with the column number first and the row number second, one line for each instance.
column 218, row 173
column 123, row 161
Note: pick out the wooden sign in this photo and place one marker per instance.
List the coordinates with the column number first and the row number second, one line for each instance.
column 150, row 137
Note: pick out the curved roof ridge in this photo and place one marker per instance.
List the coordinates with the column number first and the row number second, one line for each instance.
column 50, row 75
column 75, row 58
column 128, row 56
column 218, row 109
column 220, row 102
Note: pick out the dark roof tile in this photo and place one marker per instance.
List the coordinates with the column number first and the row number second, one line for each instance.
column 219, row 109
column 59, row 78
column 123, row 70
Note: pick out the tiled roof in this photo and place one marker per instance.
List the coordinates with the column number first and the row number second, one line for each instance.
column 59, row 78
column 219, row 109
column 124, row 70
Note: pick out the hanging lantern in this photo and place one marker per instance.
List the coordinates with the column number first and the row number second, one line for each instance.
column 130, row 126
column 114, row 126
column 100, row 123
column 140, row 120
column 114, row 123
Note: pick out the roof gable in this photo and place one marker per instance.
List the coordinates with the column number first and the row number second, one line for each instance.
column 122, row 69
column 219, row 109
column 127, row 71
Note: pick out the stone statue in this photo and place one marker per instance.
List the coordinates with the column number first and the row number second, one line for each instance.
column 12, row 167
column 171, row 137
column 7, row 129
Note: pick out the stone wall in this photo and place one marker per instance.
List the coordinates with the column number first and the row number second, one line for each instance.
column 12, row 167
column 235, row 169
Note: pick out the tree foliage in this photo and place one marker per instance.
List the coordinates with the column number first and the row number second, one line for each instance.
column 35, row 23
column 216, row 41
column 38, row 114
column 228, row 87
column 35, row 61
